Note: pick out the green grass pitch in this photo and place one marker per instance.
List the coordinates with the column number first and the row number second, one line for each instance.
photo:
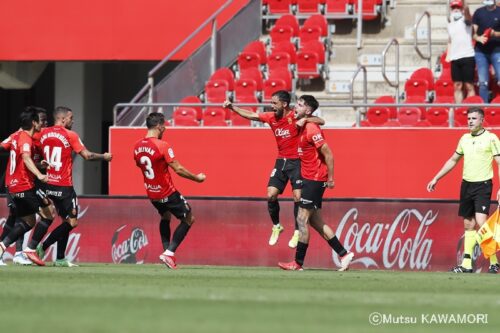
column 151, row 298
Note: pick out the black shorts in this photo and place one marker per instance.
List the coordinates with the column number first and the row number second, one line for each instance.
column 284, row 170
column 10, row 201
column 26, row 203
column 175, row 204
column 462, row 70
column 64, row 199
column 312, row 194
column 40, row 189
column 475, row 197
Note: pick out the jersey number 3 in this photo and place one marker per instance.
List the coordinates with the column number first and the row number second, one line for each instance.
column 149, row 172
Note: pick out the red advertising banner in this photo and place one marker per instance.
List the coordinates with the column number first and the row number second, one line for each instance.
column 396, row 235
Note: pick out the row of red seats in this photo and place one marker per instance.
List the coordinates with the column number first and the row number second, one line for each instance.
column 210, row 117
column 336, row 8
column 426, row 116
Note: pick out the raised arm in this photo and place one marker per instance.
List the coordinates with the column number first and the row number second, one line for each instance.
column 185, row 173
column 91, row 156
column 316, row 120
column 242, row 112
column 327, row 153
column 447, row 167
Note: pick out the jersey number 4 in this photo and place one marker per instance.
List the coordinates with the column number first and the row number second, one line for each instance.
column 54, row 158
column 149, row 173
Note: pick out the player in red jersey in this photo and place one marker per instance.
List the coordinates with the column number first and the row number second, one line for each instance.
column 317, row 174
column 19, row 177
column 287, row 166
column 154, row 157
column 58, row 142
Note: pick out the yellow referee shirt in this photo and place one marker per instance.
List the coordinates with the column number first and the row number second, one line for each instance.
column 478, row 152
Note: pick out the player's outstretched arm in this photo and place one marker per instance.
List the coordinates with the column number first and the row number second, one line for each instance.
column 327, row 154
column 242, row 112
column 447, row 167
column 315, row 120
column 32, row 167
column 185, row 173
column 91, row 156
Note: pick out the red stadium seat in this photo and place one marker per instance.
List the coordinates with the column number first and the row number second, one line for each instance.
column 287, row 47
column 392, row 123
column 444, row 88
column 216, row 91
column 224, row 74
column 377, row 116
column 271, row 86
column 185, row 120
column 308, row 6
column 314, row 46
column 245, row 99
column 194, row 99
column 214, row 117
column 281, row 34
column 409, row 116
column 245, row 88
column 289, row 21
column 248, row 60
column 309, row 33
column 371, row 9
column 443, row 62
column 257, row 47
column 282, row 74
column 308, row 65
column 253, row 74
column 417, row 100
column 185, row 111
column 279, row 6
column 279, row 60
column 424, row 73
column 437, row 116
column 317, row 21
column 237, row 120
column 416, row 87
column 492, row 113
column 340, row 7
column 393, row 113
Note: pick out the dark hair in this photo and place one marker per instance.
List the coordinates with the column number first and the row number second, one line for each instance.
column 28, row 116
column 61, row 110
column 154, row 119
column 283, row 96
column 475, row 109
column 37, row 109
column 310, row 101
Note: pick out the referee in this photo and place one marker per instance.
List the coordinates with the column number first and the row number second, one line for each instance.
column 478, row 148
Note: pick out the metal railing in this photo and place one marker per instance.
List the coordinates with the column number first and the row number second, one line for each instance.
column 365, row 90
column 355, row 106
column 429, row 38
column 395, row 42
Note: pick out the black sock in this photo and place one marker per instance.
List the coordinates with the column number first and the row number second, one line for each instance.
column 295, row 213
column 300, row 253
column 61, row 230
column 337, row 246
column 19, row 244
column 274, row 211
column 62, row 243
column 40, row 231
column 165, row 233
column 8, row 226
column 19, row 230
column 179, row 234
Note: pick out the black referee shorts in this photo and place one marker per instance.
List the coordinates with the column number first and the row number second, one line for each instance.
column 475, row 197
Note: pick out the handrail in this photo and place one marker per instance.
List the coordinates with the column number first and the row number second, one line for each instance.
column 365, row 91
column 365, row 105
column 152, row 72
column 393, row 41
column 429, row 40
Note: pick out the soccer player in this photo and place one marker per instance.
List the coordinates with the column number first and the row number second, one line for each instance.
column 478, row 148
column 154, row 157
column 19, row 178
column 317, row 174
column 287, row 166
column 58, row 142
column 19, row 257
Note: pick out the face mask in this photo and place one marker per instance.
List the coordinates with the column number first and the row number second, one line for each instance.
column 456, row 15
column 488, row 2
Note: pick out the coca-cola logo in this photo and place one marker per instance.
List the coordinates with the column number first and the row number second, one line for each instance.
column 400, row 244
column 279, row 132
column 128, row 245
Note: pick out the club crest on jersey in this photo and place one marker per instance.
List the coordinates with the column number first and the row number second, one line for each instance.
column 282, row 133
